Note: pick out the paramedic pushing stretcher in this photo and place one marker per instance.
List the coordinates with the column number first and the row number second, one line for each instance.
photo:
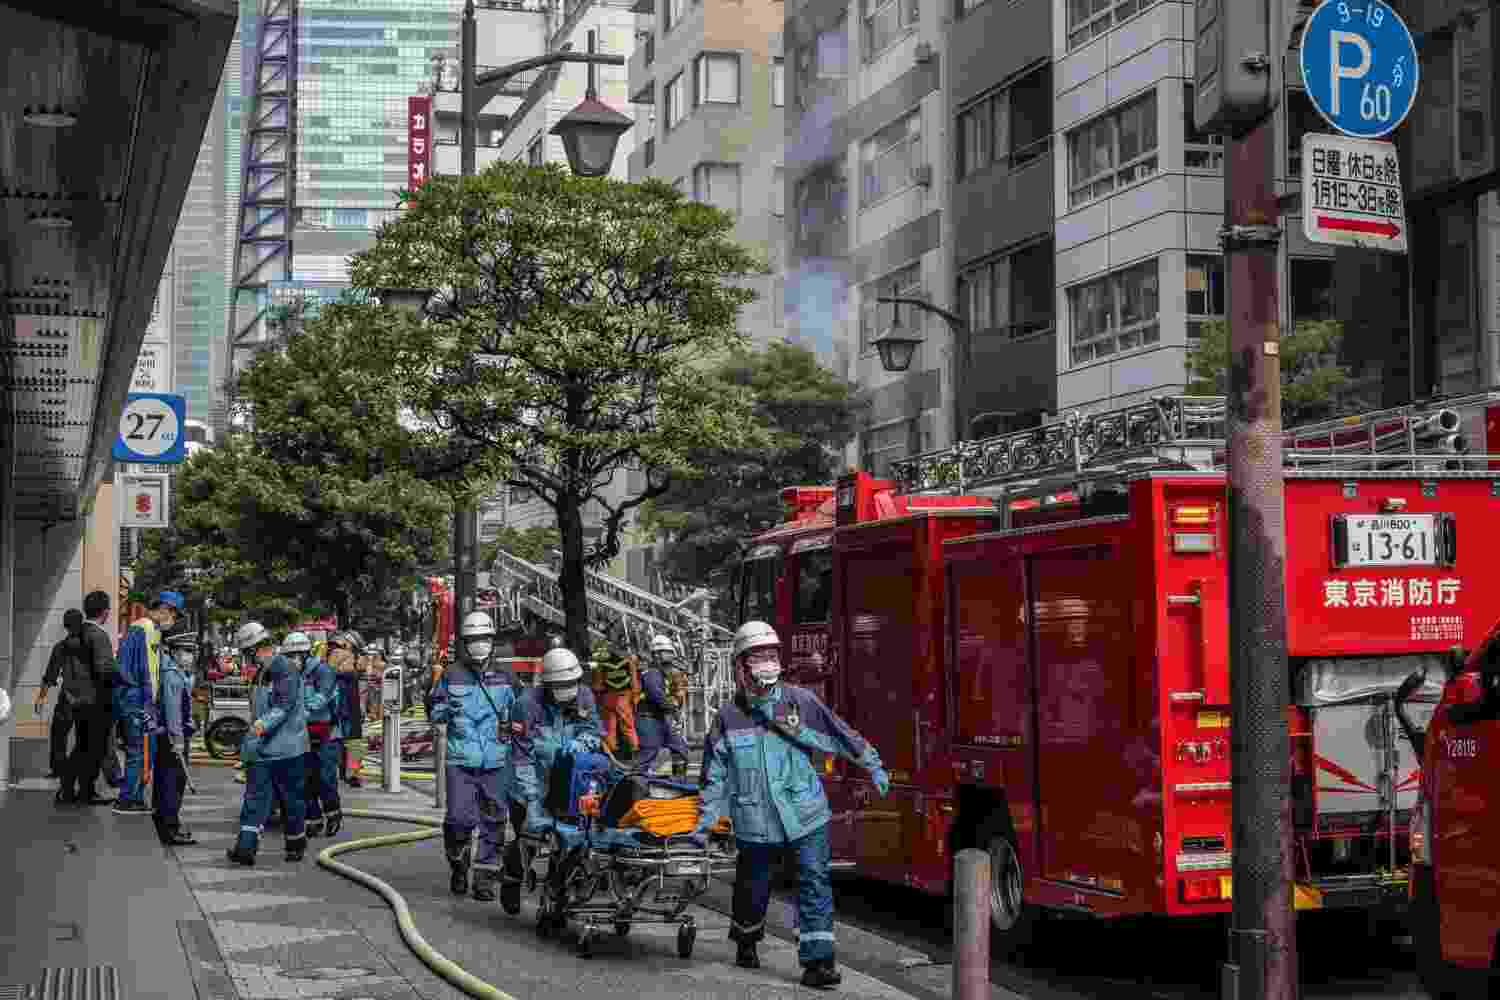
column 758, row 767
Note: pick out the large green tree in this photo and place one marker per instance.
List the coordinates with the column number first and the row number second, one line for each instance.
column 571, row 326
column 1314, row 384
column 809, row 414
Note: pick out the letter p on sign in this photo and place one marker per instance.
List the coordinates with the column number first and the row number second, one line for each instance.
column 1336, row 41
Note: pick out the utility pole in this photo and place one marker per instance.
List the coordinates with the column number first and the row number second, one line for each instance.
column 1239, row 56
column 465, row 515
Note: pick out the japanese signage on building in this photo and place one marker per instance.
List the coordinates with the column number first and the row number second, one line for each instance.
column 418, row 140
column 144, row 501
column 1398, row 592
column 152, row 369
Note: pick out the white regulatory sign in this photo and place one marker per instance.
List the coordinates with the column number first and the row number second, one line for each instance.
column 1351, row 193
column 149, row 427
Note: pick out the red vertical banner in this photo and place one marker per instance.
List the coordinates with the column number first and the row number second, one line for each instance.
column 418, row 140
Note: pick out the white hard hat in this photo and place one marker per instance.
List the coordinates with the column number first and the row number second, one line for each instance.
column 476, row 625
column 251, row 635
column 296, row 642
column 662, row 644
column 560, row 666
column 754, row 635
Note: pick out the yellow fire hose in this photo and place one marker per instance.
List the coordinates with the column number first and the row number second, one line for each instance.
column 430, row 956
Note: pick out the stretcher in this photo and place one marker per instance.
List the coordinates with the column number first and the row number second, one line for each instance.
column 610, row 878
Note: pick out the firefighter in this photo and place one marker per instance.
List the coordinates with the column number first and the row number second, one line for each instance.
column 320, row 695
column 758, row 766
column 620, row 682
column 274, row 749
column 137, row 684
column 660, row 708
column 474, row 697
column 170, row 741
column 349, row 714
column 559, row 716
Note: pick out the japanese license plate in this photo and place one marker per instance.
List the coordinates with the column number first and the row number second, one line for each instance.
column 1390, row 540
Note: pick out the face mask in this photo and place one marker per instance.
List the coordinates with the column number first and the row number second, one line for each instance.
column 766, row 674
column 479, row 649
column 565, row 694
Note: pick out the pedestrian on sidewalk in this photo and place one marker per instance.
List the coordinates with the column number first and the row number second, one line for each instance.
column 474, row 697
column 174, row 714
column 65, row 651
column 325, row 744
column 349, row 713
column 759, row 766
column 87, row 669
column 659, row 709
column 621, row 681
column 274, row 749
column 135, row 695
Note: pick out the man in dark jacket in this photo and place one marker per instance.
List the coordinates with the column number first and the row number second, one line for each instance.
column 67, row 648
column 86, row 676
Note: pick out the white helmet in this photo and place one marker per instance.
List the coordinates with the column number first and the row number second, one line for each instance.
column 662, row 644
column 296, row 642
column 476, row 625
column 251, row 636
column 753, row 635
column 560, row 666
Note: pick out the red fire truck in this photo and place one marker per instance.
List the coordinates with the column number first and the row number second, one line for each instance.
column 1033, row 629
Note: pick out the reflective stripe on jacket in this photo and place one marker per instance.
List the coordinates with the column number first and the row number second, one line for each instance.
column 617, row 676
column 475, row 701
column 769, row 787
column 540, row 729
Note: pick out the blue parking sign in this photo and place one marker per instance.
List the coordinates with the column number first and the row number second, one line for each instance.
column 1359, row 65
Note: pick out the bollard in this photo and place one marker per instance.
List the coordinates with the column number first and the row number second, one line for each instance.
column 971, row 925
column 440, row 767
column 390, row 753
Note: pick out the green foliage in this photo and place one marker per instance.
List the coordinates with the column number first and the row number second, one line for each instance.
column 588, row 311
column 807, row 412
column 1313, row 383
column 534, row 544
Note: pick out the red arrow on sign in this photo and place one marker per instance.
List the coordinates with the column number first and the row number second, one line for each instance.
column 1387, row 229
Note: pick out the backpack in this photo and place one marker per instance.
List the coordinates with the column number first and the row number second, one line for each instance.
column 77, row 675
column 570, row 779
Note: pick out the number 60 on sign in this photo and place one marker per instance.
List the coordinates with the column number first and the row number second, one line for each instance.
column 151, row 429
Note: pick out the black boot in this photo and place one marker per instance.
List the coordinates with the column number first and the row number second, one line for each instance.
column 745, row 956
column 483, row 890
column 456, row 846
column 821, row 975
column 510, row 896
column 239, row 857
column 334, row 819
column 314, row 828
column 295, row 847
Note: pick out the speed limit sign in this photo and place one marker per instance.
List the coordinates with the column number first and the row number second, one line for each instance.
column 151, row 429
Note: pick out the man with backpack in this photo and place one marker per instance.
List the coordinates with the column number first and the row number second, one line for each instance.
column 86, row 671
column 64, row 651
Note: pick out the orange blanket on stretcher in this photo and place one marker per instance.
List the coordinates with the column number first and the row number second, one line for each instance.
column 666, row 817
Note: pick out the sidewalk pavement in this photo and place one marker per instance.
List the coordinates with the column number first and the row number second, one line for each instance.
column 95, row 891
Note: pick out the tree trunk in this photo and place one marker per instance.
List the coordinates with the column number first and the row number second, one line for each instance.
column 570, row 576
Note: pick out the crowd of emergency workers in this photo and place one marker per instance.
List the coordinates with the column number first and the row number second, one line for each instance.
column 310, row 701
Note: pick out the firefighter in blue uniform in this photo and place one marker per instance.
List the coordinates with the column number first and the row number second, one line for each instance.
column 658, row 712
column 474, row 697
column 274, row 749
column 758, row 767
column 320, row 696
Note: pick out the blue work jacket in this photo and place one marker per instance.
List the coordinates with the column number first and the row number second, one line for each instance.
column 475, row 700
column 655, row 702
column 174, row 700
column 320, row 692
column 133, row 688
column 769, row 787
column 540, row 729
column 279, row 707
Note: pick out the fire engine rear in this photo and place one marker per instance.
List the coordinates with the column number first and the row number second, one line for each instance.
column 1034, row 631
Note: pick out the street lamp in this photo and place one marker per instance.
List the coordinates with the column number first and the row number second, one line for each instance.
column 896, row 352
column 591, row 131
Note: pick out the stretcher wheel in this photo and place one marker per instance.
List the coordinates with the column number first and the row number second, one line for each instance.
column 687, row 934
column 622, row 928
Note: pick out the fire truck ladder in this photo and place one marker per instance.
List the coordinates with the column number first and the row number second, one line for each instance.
column 631, row 614
column 1188, row 432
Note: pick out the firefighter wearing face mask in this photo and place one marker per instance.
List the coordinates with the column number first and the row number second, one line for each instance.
column 320, row 696
column 659, row 708
column 475, row 697
column 274, row 749
column 759, row 767
column 558, row 716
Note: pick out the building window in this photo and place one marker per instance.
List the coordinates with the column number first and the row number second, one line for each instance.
column 1200, row 150
column 350, row 218
column 672, row 12
column 716, row 79
column 675, row 96
column 823, row 67
column 964, row 6
column 1115, row 313
column 880, row 446
column 1205, row 292
column 1012, row 126
column 1312, row 289
column 1301, row 118
column 887, row 159
column 534, row 152
column 778, row 82
column 1012, row 295
column 778, row 191
column 1112, row 151
column 822, row 203
column 878, row 318
column 718, row 184
column 1088, row 19
column 885, row 21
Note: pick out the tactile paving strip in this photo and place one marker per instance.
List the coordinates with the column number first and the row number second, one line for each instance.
column 95, row 982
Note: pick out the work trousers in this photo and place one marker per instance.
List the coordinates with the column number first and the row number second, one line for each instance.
column 133, row 788
column 267, row 779
column 64, row 719
column 475, row 799
column 321, row 767
column 167, row 784
column 91, row 738
column 617, row 710
column 514, row 871
column 656, row 733
column 752, row 893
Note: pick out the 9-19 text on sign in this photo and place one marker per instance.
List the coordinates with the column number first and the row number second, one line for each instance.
column 1351, row 193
